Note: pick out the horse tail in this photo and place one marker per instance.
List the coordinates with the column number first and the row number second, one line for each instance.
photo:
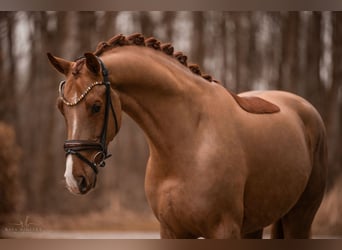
column 320, row 155
column 277, row 231
column 319, row 152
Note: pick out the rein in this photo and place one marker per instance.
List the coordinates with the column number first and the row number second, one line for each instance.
column 75, row 147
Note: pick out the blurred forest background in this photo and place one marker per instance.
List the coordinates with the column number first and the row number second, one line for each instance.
column 299, row 52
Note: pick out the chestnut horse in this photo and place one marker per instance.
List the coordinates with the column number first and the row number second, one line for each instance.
column 220, row 166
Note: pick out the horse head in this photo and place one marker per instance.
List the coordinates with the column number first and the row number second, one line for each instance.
column 92, row 112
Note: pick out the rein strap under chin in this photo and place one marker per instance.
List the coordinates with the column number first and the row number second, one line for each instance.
column 74, row 147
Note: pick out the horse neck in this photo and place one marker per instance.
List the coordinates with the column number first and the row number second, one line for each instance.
column 160, row 94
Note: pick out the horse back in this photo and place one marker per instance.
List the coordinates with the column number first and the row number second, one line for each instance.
column 294, row 107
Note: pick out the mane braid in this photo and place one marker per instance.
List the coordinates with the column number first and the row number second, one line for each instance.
column 207, row 77
column 195, row 69
column 153, row 43
column 138, row 39
column 181, row 58
column 167, row 48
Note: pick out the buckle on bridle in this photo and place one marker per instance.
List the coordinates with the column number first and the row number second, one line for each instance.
column 99, row 159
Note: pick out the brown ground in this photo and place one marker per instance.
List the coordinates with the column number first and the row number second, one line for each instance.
column 327, row 222
column 329, row 216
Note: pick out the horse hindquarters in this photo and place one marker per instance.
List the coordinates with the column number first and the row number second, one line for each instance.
column 297, row 222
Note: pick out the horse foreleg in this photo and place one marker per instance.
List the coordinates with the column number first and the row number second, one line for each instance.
column 167, row 233
column 226, row 229
column 254, row 235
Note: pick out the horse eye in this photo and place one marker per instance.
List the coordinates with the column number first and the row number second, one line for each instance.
column 95, row 108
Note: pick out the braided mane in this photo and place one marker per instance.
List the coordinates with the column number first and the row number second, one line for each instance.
column 138, row 39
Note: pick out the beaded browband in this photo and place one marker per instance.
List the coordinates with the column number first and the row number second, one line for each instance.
column 78, row 99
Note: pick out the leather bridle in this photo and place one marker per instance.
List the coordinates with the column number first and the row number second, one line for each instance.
column 75, row 147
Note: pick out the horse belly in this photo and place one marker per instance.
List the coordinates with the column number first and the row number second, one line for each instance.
column 279, row 168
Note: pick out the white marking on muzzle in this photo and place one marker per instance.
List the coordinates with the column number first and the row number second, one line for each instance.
column 69, row 178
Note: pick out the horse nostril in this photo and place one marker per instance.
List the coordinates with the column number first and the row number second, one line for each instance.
column 82, row 184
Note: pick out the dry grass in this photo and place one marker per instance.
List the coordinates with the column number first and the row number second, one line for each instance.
column 328, row 220
column 9, row 183
column 111, row 219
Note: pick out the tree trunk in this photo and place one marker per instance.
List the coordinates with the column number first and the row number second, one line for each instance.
column 168, row 19
column 86, row 30
column 7, row 72
column 331, row 101
column 198, row 45
column 147, row 25
column 224, row 38
column 313, row 84
column 288, row 71
column 242, row 50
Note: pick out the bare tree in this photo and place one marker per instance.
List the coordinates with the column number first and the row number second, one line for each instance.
column 313, row 84
column 243, row 50
column 198, row 46
column 288, row 70
column 168, row 19
column 7, row 69
column 146, row 23
column 332, row 102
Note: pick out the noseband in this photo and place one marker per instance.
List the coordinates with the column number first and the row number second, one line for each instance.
column 75, row 147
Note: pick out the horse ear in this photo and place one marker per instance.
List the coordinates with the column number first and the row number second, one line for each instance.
column 92, row 63
column 61, row 65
